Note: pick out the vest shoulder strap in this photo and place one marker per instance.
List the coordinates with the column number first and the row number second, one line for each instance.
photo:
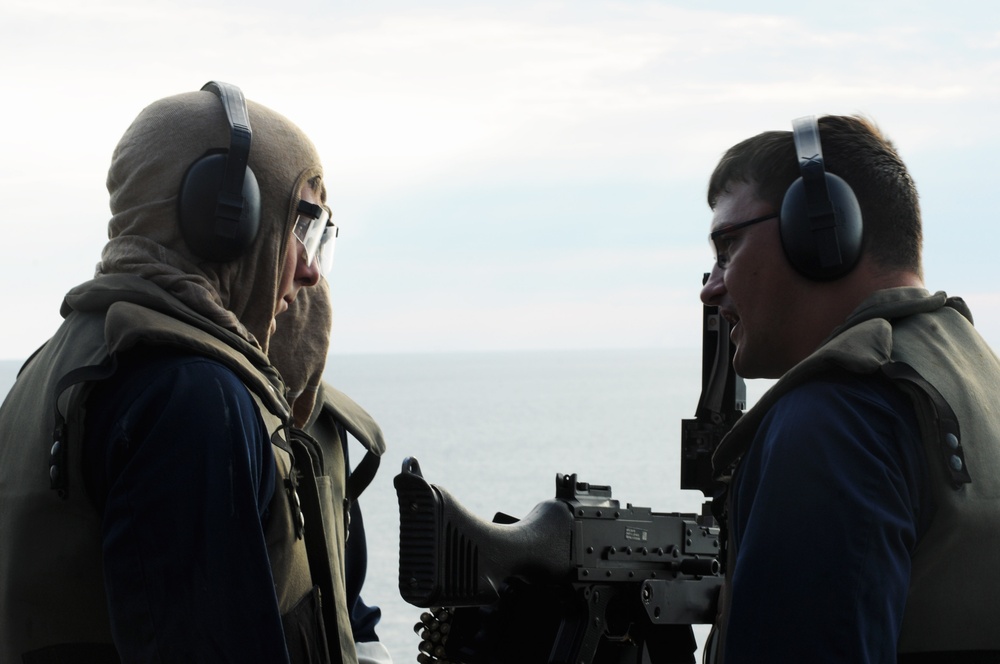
column 356, row 421
column 938, row 415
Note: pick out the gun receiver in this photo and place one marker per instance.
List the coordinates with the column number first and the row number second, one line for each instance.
column 654, row 569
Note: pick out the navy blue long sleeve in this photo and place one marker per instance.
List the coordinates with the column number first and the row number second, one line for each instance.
column 829, row 505
column 364, row 618
column 178, row 456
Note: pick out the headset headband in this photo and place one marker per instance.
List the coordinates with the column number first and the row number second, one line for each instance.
column 229, row 205
column 219, row 198
column 819, row 207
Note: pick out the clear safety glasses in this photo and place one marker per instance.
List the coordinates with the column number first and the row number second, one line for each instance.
column 317, row 234
column 721, row 239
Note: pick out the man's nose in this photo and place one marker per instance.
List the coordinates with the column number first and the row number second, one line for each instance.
column 307, row 275
column 714, row 288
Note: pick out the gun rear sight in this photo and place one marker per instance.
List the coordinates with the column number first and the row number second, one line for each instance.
column 597, row 495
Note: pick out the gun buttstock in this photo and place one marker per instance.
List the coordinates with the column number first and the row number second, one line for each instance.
column 450, row 557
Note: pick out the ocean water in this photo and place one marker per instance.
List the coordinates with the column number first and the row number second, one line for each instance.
column 495, row 429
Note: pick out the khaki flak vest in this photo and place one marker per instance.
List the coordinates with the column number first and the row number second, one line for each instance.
column 928, row 346
column 52, row 598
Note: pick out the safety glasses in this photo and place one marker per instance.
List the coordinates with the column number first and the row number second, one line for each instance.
column 317, row 234
column 720, row 240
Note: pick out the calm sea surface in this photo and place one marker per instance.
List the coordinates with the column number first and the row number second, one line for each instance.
column 495, row 429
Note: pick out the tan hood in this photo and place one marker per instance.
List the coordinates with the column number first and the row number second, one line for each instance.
column 299, row 347
column 146, row 171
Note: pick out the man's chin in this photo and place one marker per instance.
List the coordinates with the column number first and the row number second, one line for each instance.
column 744, row 365
column 738, row 365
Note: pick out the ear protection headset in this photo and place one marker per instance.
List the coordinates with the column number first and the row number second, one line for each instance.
column 219, row 199
column 820, row 221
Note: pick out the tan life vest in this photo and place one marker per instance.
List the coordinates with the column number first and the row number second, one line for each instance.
column 928, row 346
column 52, row 597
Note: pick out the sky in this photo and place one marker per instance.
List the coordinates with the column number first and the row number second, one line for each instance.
column 506, row 175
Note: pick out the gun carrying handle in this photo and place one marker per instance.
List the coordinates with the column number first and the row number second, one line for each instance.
column 722, row 389
column 717, row 370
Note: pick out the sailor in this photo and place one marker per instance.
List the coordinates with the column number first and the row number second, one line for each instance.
column 862, row 486
column 150, row 502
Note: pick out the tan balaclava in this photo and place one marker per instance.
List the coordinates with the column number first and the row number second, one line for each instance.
column 299, row 347
column 146, row 172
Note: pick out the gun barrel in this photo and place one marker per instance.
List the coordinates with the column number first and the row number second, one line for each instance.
column 700, row 567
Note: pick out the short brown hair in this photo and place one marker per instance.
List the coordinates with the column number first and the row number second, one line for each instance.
column 853, row 148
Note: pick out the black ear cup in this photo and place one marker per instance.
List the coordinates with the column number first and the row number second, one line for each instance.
column 820, row 222
column 219, row 199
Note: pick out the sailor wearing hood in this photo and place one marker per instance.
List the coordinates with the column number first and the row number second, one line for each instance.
column 150, row 506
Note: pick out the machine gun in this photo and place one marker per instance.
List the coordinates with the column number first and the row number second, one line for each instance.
column 579, row 579
column 609, row 575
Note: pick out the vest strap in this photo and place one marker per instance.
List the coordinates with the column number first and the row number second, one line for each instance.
column 944, row 418
column 59, row 452
column 317, row 551
column 362, row 475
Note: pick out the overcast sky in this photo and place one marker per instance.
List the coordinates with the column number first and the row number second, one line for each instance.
column 506, row 175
